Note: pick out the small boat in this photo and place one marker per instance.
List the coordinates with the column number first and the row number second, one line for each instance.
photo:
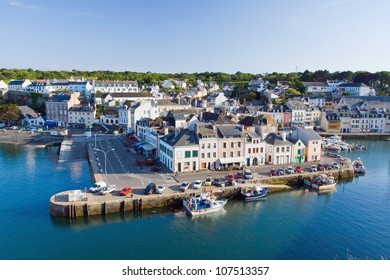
column 388, row 139
column 324, row 182
column 254, row 193
column 203, row 204
column 359, row 147
column 358, row 166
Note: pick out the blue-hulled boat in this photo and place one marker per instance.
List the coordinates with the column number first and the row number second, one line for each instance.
column 254, row 193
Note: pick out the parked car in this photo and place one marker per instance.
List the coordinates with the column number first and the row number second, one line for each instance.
column 197, row 184
column 98, row 186
column 239, row 175
column 328, row 166
column 160, row 189
column 248, row 174
column 313, row 168
column 272, row 172
column 230, row 177
column 321, row 167
column 184, row 186
column 217, row 182
column 125, row 191
column 280, row 171
column 208, row 181
column 150, row 188
column 298, row 169
column 108, row 189
column 290, row 170
column 336, row 165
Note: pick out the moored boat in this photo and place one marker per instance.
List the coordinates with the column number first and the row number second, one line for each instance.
column 324, row 182
column 358, row 166
column 254, row 193
column 205, row 203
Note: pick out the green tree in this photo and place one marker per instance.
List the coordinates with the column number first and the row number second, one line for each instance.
column 9, row 113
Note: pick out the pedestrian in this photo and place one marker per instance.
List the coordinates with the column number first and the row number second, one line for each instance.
column 176, row 174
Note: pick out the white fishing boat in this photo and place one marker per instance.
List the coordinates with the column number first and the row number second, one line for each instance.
column 324, row 182
column 203, row 204
column 358, row 166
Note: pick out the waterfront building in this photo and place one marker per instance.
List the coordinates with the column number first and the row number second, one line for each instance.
column 57, row 107
column 311, row 140
column 254, row 150
column 115, row 86
column 278, row 149
column 43, row 87
column 298, row 112
column 299, row 148
column 179, row 151
column 207, row 137
column 231, row 145
column 30, row 117
column 18, row 84
column 83, row 113
column 330, row 122
column 147, row 132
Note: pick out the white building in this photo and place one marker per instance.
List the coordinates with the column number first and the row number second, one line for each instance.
column 298, row 112
column 82, row 114
column 142, row 109
column 254, row 150
column 278, row 149
column 167, row 84
column 181, row 84
column 115, row 86
column 257, row 85
column 216, row 99
column 83, row 87
column 30, row 117
column 355, row 89
column 3, row 86
column 18, row 84
column 179, row 151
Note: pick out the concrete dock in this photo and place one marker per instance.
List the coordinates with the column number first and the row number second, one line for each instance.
column 96, row 204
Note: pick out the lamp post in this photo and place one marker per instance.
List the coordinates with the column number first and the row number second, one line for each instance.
column 105, row 159
column 95, row 133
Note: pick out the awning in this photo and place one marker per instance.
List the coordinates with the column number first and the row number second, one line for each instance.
column 148, row 147
column 232, row 160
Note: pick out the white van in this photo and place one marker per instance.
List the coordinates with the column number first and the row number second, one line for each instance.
column 98, row 186
column 248, row 174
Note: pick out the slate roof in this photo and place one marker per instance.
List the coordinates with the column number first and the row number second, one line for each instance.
column 130, row 94
column 25, row 110
column 229, row 131
column 353, row 85
column 63, row 97
column 184, row 138
column 16, row 82
column 309, row 133
column 276, row 140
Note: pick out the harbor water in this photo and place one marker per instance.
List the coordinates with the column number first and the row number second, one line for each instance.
column 350, row 223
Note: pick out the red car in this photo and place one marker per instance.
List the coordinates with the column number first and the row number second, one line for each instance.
column 298, row 169
column 272, row 172
column 125, row 191
column 321, row 167
column 231, row 177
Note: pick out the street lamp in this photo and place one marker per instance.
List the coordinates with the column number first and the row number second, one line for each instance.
column 105, row 159
column 95, row 133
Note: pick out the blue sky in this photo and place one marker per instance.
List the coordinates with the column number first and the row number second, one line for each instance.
column 172, row 36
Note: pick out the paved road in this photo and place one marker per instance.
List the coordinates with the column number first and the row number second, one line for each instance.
column 122, row 171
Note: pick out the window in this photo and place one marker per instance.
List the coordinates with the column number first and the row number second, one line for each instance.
column 187, row 154
column 232, row 145
column 202, row 155
column 231, row 154
column 214, row 154
column 208, row 155
column 239, row 144
column 215, row 145
column 282, row 149
column 287, row 149
column 224, row 154
column 203, row 146
column 239, row 153
column 249, row 150
column 208, row 145
column 224, row 145
column 277, row 149
column 194, row 153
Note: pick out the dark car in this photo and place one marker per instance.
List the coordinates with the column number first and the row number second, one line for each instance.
column 321, row 167
column 217, row 182
column 150, row 188
column 328, row 166
column 239, row 175
column 272, row 172
column 280, row 171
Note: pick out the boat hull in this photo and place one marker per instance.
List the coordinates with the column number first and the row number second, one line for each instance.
column 324, row 187
column 217, row 205
column 253, row 197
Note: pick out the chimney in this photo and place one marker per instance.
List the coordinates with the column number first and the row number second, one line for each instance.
column 166, row 130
